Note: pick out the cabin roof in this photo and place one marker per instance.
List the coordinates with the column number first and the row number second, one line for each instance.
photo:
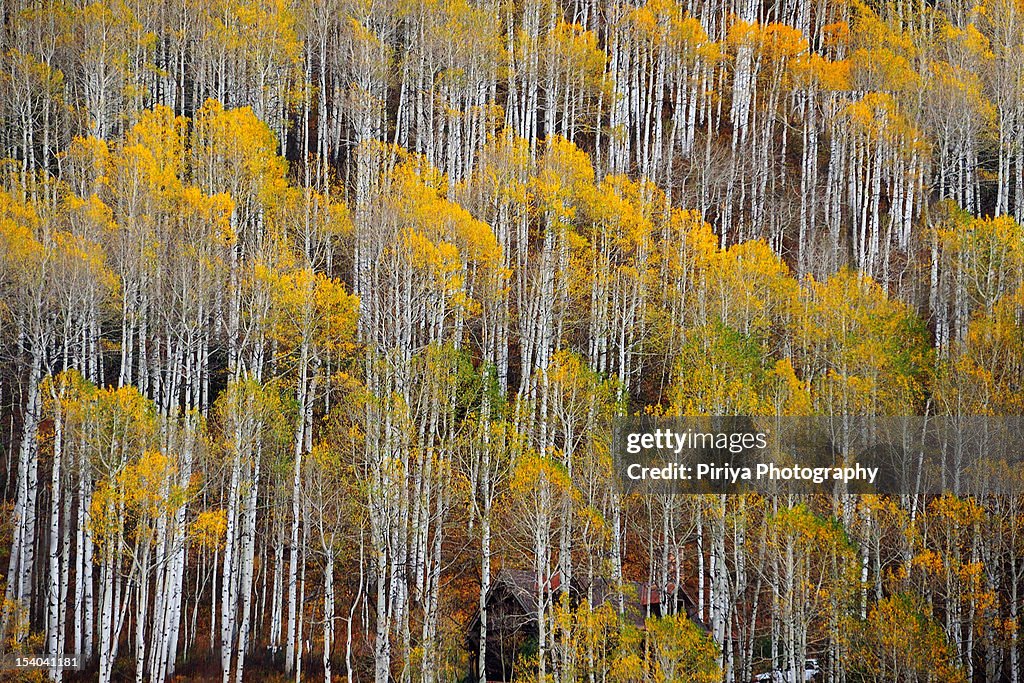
column 521, row 585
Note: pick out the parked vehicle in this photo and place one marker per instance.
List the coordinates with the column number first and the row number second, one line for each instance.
column 810, row 673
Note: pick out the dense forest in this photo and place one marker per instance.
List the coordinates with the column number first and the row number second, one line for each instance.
column 314, row 315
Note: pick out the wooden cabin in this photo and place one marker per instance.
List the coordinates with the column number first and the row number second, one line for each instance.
column 512, row 613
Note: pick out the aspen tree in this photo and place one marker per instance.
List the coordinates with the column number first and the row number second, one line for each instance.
column 544, row 492
column 885, row 649
column 29, row 260
column 311, row 315
column 999, row 22
column 254, row 431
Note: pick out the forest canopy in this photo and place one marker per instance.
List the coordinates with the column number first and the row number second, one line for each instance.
column 314, row 313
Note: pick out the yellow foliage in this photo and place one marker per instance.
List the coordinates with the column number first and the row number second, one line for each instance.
column 86, row 164
column 985, row 254
column 457, row 254
column 310, row 308
column 836, row 34
column 680, row 651
column 126, row 505
column 812, row 69
column 533, row 472
column 564, row 173
column 781, row 41
column 209, row 529
column 162, row 135
column 234, row 151
column 883, row 54
column 578, row 55
column 720, row 372
column 20, row 251
column 878, row 119
column 691, row 40
column 870, row 354
column 902, row 641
